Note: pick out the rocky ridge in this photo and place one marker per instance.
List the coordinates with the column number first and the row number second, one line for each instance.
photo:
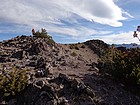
column 62, row 74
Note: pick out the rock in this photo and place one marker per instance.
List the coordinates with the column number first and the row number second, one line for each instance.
column 35, row 49
column 19, row 55
column 64, row 78
column 4, row 59
column 59, row 59
column 39, row 84
column 32, row 64
column 41, row 63
column 12, row 102
column 74, row 84
column 34, row 57
column 63, row 101
column 94, row 64
column 39, row 73
column 97, row 46
column 80, row 58
column 49, row 71
column 54, row 93
column 51, row 91
column 81, row 86
column 89, row 92
column 43, row 93
column 3, row 103
column 52, row 102
column 55, row 64
column 64, row 63
column 19, row 65
column 44, row 72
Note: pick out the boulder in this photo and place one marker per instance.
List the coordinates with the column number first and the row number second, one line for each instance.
column 39, row 84
column 4, row 59
column 39, row 73
column 35, row 49
column 19, row 54
column 41, row 63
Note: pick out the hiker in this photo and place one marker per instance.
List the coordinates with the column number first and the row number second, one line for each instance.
column 138, row 28
column 135, row 34
column 33, row 31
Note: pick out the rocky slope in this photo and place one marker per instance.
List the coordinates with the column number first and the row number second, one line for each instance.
column 62, row 74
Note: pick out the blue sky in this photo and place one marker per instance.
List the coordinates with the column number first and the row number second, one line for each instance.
column 70, row 21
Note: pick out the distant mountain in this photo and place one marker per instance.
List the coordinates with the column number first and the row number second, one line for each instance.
column 132, row 45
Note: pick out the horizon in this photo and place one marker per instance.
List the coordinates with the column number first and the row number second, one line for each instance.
column 119, row 44
column 68, row 22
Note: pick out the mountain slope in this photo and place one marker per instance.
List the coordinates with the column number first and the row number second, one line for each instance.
column 62, row 74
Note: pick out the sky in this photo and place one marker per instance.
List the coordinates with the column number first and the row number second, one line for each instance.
column 72, row 21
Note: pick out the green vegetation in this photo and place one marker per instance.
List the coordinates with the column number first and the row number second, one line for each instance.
column 74, row 54
column 122, row 65
column 74, row 46
column 12, row 81
column 43, row 34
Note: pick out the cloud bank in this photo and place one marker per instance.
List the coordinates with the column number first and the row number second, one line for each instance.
column 120, row 38
column 28, row 12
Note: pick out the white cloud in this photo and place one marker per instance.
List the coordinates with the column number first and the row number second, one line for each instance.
column 124, row 37
column 50, row 13
column 127, row 14
column 79, row 31
column 29, row 12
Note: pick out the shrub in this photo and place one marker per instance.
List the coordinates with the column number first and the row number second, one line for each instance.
column 73, row 54
column 12, row 81
column 127, row 66
column 123, row 66
column 74, row 46
column 44, row 34
column 83, row 46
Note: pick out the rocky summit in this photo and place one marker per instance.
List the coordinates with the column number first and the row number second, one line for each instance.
column 60, row 74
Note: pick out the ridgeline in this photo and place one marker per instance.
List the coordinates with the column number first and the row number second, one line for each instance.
column 38, row 71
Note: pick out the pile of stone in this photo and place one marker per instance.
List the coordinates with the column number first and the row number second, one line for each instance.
column 48, row 63
column 60, row 90
column 97, row 46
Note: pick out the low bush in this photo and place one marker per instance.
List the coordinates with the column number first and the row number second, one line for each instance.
column 74, row 46
column 122, row 65
column 12, row 81
column 74, row 54
column 83, row 46
column 44, row 34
